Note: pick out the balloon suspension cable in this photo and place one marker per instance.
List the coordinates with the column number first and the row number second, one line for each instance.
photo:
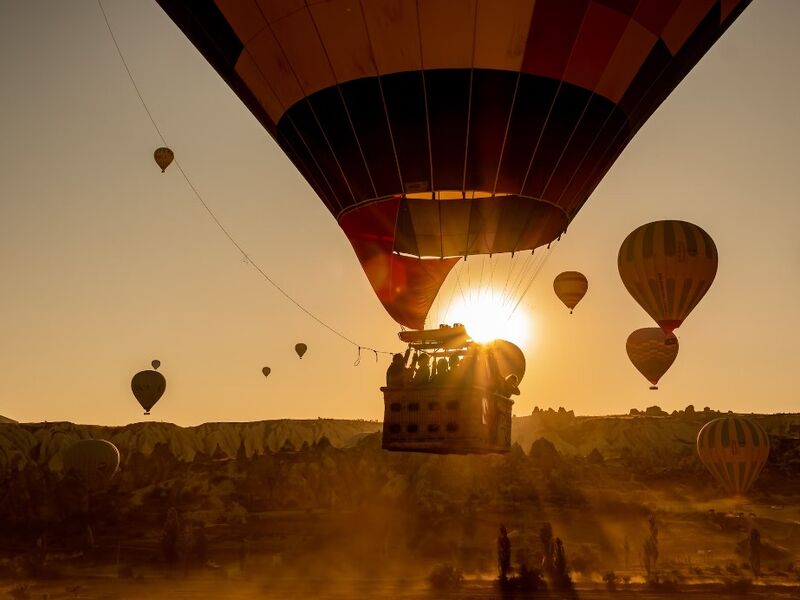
column 245, row 256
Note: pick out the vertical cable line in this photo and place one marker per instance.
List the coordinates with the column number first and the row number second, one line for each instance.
column 597, row 135
column 466, row 135
column 211, row 213
column 341, row 97
column 307, row 100
column 547, row 120
column 428, row 129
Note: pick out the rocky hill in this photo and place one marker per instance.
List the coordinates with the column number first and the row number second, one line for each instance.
column 665, row 440
column 41, row 444
column 322, row 495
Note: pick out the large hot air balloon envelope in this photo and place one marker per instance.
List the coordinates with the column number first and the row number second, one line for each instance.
column 652, row 352
column 570, row 287
column 301, row 349
column 148, row 387
column 436, row 131
column 266, row 371
column 668, row 266
column 734, row 450
column 94, row 462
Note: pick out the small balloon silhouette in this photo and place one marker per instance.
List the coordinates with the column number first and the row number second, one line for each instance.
column 156, row 363
column 300, row 349
column 266, row 371
column 163, row 157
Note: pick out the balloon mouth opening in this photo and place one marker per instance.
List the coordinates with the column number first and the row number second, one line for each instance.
column 653, row 387
column 669, row 325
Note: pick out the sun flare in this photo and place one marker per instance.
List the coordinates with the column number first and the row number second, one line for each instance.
column 488, row 316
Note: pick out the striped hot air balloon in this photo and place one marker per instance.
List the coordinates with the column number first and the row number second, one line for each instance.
column 94, row 462
column 668, row 266
column 734, row 449
column 652, row 352
column 437, row 129
column 570, row 287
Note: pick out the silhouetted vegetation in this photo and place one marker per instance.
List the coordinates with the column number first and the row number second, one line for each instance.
column 503, row 554
column 754, row 551
column 650, row 547
column 446, row 577
column 611, row 580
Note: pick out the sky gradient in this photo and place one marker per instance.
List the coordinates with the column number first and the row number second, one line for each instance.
column 107, row 264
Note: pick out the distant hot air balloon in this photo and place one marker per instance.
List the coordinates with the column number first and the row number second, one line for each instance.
column 734, row 449
column 266, row 371
column 155, row 364
column 94, row 462
column 300, row 349
column 570, row 287
column 668, row 266
column 652, row 352
column 432, row 132
column 148, row 386
column 164, row 158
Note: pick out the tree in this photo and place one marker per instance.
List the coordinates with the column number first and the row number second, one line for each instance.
column 503, row 553
column 650, row 548
column 546, row 537
column 627, row 551
column 561, row 579
column 611, row 580
column 754, row 551
column 170, row 535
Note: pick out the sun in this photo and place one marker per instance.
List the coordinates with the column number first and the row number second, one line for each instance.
column 488, row 315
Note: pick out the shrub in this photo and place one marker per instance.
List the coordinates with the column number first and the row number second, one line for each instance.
column 737, row 587
column 446, row 577
column 611, row 581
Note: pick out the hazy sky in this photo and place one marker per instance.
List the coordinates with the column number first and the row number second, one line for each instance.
column 105, row 263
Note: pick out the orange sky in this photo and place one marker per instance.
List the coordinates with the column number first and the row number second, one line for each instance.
column 106, row 263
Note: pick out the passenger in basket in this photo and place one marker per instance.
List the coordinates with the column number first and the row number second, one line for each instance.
column 441, row 374
column 396, row 374
column 422, row 375
column 511, row 387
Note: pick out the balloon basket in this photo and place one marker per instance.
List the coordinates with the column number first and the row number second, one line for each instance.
column 654, row 387
column 446, row 420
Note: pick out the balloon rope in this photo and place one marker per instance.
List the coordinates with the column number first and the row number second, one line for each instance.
column 213, row 216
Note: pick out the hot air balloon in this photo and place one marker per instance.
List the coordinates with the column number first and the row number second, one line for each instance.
column 163, row 157
column 94, row 462
column 148, row 387
column 734, row 449
column 432, row 133
column 155, row 364
column 652, row 352
column 266, row 371
column 510, row 359
column 570, row 287
column 668, row 266
column 300, row 349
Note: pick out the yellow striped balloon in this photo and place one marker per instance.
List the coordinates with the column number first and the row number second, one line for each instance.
column 94, row 462
column 734, row 449
column 652, row 352
column 570, row 287
column 668, row 266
